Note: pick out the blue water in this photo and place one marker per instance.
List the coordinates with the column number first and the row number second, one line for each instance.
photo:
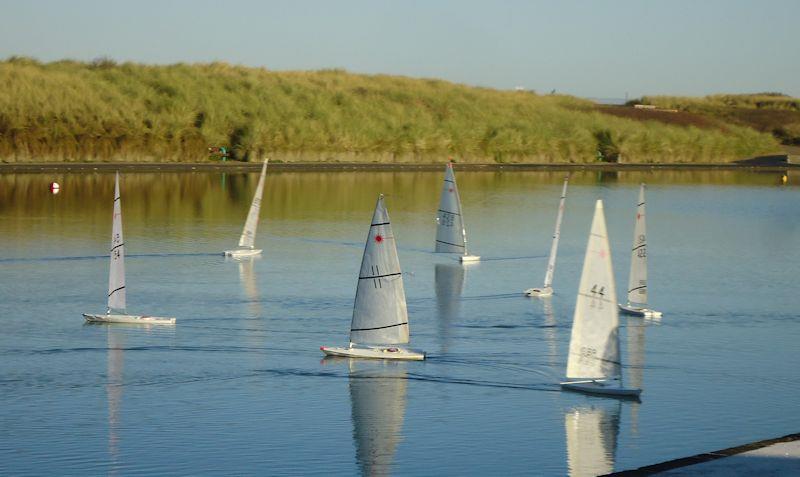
column 239, row 385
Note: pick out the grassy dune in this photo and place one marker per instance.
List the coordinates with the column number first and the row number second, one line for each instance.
column 103, row 111
column 772, row 113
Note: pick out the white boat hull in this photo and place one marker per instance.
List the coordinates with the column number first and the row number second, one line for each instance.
column 601, row 388
column 242, row 252
column 129, row 319
column 539, row 292
column 377, row 352
column 469, row 258
column 629, row 309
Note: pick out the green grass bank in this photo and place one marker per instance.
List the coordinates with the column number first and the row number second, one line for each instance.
column 68, row 111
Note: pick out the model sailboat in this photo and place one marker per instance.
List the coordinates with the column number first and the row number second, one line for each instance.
column 380, row 317
column 116, row 278
column 547, row 289
column 248, row 238
column 637, row 281
column 451, row 235
column 593, row 364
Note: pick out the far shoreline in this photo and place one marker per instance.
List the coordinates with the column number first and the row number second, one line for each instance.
column 234, row 166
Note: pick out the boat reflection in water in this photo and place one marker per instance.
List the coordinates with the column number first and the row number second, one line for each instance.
column 378, row 396
column 114, row 386
column 636, row 329
column 449, row 283
column 592, row 433
column 247, row 276
column 550, row 332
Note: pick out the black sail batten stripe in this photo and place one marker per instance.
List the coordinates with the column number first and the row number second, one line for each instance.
column 595, row 296
column 448, row 243
column 382, row 223
column 116, row 199
column 116, row 247
column 637, row 288
column 639, row 205
column 115, row 291
column 381, row 276
column 604, row 360
column 452, row 182
column 638, row 247
column 379, row 327
column 448, row 212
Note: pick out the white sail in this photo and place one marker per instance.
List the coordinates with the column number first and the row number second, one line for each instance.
column 594, row 344
column 592, row 433
column 379, row 312
column 248, row 237
column 378, row 398
column 116, row 272
column 551, row 264
column 451, row 237
column 637, row 281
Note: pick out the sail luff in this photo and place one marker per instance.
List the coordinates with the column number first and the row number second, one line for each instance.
column 379, row 312
column 450, row 231
column 116, row 271
column 637, row 280
column 248, row 237
column 551, row 263
column 594, row 343
column 460, row 211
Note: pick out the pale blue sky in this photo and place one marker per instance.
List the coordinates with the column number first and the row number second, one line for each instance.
column 586, row 48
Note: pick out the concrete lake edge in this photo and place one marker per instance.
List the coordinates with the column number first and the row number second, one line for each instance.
column 704, row 457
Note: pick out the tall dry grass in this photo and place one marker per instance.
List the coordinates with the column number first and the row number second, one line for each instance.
column 103, row 111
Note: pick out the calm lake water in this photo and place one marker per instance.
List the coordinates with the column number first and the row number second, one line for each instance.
column 240, row 386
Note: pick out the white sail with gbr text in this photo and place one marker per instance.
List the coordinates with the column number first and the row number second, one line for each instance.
column 379, row 312
column 594, row 344
column 116, row 272
column 451, row 236
column 251, row 224
column 637, row 281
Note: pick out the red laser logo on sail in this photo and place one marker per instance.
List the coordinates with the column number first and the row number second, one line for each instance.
column 379, row 238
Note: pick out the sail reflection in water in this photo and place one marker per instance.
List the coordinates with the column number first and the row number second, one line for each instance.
column 592, row 433
column 449, row 283
column 550, row 331
column 635, row 329
column 114, row 394
column 247, row 277
column 378, row 395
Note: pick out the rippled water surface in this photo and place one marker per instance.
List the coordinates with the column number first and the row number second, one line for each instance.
column 240, row 386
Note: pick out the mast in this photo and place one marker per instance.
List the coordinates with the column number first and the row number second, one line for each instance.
column 594, row 344
column 637, row 280
column 116, row 271
column 551, row 263
column 251, row 224
column 379, row 312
